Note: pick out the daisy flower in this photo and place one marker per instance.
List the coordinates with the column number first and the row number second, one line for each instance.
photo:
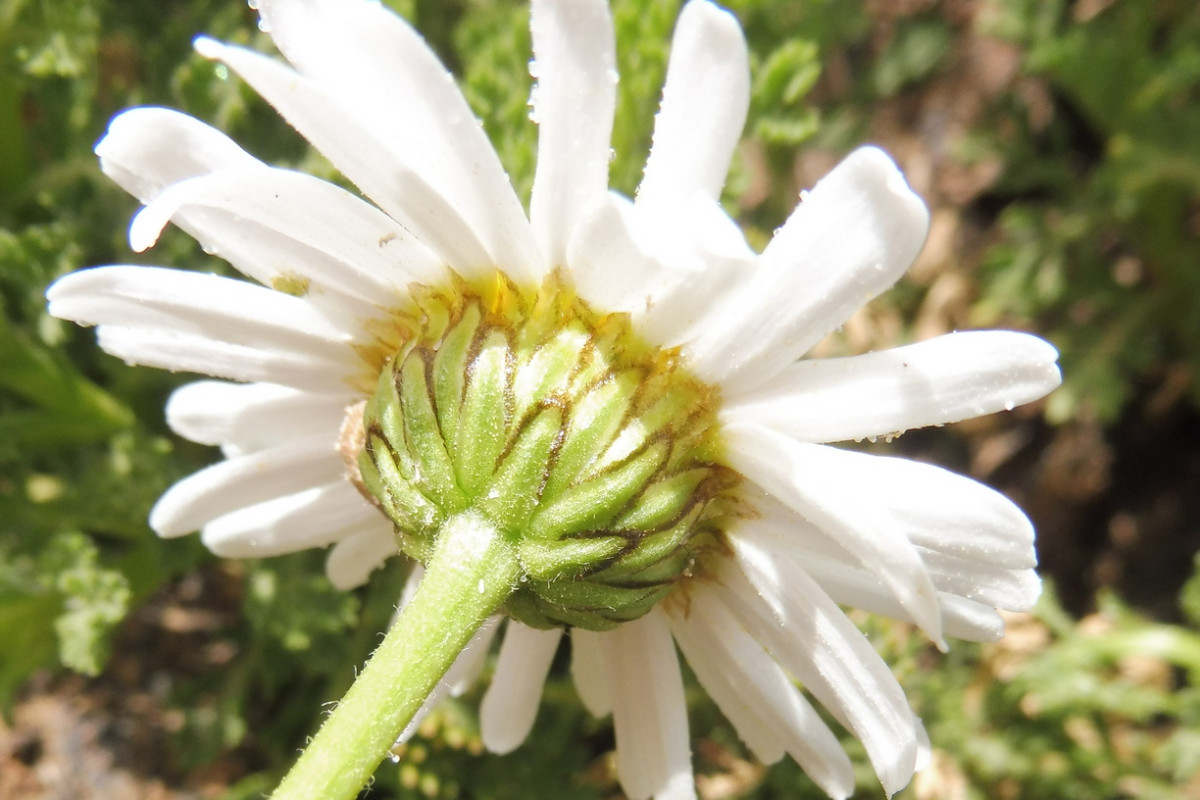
column 615, row 388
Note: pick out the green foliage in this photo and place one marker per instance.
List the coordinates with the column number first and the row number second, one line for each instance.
column 1095, row 243
column 643, row 31
column 63, row 587
column 94, row 600
column 56, row 39
column 1099, row 244
column 781, row 86
column 1189, row 598
column 915, row 51
column 27, row 613
column 1104, row 707
column 493, row 45
column 80, row 457
column 446, row 759
column 292, row 606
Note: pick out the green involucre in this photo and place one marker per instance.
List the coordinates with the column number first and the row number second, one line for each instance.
column 594, row 454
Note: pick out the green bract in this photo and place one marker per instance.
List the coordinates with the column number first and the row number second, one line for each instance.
column 594, row 454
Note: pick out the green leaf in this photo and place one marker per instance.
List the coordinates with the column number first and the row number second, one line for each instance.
column 1189, row 597
column 25, row 622
column 780, row 86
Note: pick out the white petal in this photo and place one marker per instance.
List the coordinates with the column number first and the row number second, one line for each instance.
column 352, row 560
column 973, row 622
column 924, row 746
column 705, row 99
column 758, row 698
column 986, row 554
column 709, row 258
column 311, row 518
column 664, row 270
column 857, row 588
column 573, row 102
column 810, row 637
column 850, row 238
column 933, row 507
column 148, row 149
column 392, row 83
column 649, row 710
column 726, row 661
column 611, row 269
column 834, row 490
column 777, row 529
column 252, row 416
column 377, row 168
column 357, row 249
column 245, row 481
column 999, row 587
column 848, row 584
column 511, row 704
column 152, row 347
column 588, row 672
column 192, row 303
column 947, row 379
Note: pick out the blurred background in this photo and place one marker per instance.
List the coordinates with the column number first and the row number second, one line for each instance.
column 1058, row 146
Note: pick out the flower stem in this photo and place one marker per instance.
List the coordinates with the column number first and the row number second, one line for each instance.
column 472, row 572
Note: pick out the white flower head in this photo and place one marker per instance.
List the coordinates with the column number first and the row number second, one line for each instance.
column 340, row 278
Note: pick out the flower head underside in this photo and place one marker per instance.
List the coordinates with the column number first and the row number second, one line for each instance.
column 619, row 384
column 594, row 453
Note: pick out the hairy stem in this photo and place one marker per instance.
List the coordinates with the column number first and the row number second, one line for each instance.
column 472, row 572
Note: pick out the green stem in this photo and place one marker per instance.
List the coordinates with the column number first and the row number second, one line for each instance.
column 472, row 572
